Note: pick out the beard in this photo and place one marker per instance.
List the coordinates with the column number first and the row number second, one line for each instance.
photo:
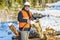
column 27, row 9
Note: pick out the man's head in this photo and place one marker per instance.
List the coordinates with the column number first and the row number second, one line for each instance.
column 27, row 6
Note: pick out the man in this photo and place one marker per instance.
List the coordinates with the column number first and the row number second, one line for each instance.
column 24, row 18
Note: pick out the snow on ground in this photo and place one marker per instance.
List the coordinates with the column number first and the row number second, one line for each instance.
column 54, row 4
column 51, row 22
column 52, row 12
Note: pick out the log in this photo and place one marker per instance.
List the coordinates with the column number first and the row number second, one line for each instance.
column 39, row 29
column 14, row 30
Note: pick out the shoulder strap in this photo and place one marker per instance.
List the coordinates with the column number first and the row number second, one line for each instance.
column 29, row 14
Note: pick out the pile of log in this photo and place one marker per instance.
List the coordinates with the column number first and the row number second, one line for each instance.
column 51, row 34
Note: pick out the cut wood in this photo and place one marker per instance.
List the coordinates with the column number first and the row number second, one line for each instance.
column 14, row 30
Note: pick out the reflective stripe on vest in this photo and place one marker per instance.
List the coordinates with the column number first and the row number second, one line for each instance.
column 24, row 24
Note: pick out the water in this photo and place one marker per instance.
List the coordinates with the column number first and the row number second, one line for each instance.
column 4, row 30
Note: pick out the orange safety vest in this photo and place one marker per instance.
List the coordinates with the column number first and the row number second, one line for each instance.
column 24, row 24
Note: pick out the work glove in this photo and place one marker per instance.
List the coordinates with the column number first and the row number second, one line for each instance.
column 32, row 21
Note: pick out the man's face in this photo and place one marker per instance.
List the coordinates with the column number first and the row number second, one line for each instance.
column 27, row 8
